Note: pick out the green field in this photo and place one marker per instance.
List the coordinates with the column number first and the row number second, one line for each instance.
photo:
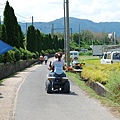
column 107, row 74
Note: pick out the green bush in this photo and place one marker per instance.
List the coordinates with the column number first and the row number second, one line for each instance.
column 25, row 54
column 113, row 85
column 37, row 54
column 1, row 59
column 17, row 55
column 11, row 56
column 43, row 52
column 60, row 50
column 88, row 53
column 81, row 53
column 33, row 55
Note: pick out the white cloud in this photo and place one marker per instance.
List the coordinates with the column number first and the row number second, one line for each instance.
column 48, row 10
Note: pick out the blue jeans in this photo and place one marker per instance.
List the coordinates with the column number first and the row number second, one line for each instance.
column 59, row 75
column 53, row 74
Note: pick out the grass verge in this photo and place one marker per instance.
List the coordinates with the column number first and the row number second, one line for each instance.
column 1, row 81
column 114, row 107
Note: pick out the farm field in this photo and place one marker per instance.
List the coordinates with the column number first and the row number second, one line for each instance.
column 106, row 74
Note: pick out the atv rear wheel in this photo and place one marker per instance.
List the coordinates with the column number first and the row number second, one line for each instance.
column 49, row 86
column 67, row 87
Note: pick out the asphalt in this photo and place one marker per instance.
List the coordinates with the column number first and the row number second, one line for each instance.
column 9, row 91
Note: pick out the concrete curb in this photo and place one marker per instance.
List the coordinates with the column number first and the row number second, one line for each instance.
column 9, row 92
column 98, row 88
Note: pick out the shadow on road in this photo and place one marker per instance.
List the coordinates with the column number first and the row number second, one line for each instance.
column 60, row 92
column 2, row 85
column 1, row 96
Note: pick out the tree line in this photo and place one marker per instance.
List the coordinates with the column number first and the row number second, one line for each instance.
column 34, row 42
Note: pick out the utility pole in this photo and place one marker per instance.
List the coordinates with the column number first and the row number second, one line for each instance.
column 0, row 20
column 64, row 30
column 67, row 34
column 71, row 33
column 114, row 38
column 32, row 20
column 52, row 30
column 79, row 37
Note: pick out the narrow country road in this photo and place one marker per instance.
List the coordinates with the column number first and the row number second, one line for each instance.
column 33, row 103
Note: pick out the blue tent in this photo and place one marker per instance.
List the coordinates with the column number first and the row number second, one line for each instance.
column 4, row 47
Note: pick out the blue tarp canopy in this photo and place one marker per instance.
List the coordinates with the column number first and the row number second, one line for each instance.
column 4, row 47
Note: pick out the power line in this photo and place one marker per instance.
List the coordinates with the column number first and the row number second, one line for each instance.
column 15, row 13
column 21, row 16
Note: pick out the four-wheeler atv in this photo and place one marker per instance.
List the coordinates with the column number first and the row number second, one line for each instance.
column 57, row 84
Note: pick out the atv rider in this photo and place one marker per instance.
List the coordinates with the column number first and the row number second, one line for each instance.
column 50, row 65
column 58, row 65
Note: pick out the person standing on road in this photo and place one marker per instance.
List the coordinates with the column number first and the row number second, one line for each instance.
column 41, row 59
column 46, row 59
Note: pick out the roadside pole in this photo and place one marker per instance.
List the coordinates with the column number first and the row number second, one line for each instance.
column 67, row 34
column 79, row 38
column 64, row 30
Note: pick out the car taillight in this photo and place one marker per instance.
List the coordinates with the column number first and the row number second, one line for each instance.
column 111, row 62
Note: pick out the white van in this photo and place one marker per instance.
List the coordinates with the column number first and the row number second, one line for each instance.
column 110, row 57
column 74, row 54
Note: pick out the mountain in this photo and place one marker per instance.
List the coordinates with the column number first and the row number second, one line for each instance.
column 85, row 24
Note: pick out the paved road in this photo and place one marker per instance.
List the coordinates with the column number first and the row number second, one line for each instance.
column 33, row 103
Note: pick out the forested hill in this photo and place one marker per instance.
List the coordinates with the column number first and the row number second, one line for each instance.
column 85, row 24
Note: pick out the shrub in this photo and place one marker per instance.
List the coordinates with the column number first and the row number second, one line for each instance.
column 17, row 54
column 113, row 85
column 81, row 53
column 33, row 55
column 88, row 53
column 43, row 52
column 94, row 75
column 1, row 58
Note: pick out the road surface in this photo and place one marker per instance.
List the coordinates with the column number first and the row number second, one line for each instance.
column 33, row 103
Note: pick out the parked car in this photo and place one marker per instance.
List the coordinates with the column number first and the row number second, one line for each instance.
column 110, row 57
column 74, row 54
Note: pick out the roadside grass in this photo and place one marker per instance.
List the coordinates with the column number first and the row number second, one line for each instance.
column 1, row 81
column 76, row 79
column 113, row 85
column 109, row 100
column 106, row 101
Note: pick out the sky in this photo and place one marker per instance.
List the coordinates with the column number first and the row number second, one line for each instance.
column 49, row 10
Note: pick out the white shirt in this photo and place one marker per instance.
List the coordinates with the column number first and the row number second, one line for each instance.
column 58, row 66
column 45, row 57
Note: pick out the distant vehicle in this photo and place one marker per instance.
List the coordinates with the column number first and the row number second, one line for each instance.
column 97, row 50
column 74, row 54
column 84, row 50
column 110, row 57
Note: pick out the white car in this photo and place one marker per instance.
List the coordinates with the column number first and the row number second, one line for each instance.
column 74, row 54
column 110, row 57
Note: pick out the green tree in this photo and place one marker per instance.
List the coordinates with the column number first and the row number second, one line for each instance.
column 14, row 35
column 20, row 37
column 31, row 39
column 8, row 25
column 3, row 34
